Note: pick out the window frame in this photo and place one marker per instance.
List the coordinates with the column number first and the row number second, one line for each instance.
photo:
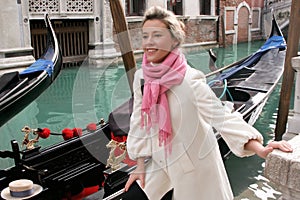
column 135, row 7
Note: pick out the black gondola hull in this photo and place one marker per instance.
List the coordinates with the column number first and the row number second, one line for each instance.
column 27, row 86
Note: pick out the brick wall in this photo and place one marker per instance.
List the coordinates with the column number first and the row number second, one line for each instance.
column 243, row 22
column 201, row 31
column 207, row 30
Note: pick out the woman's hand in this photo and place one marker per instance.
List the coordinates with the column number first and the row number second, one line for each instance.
column 137, row 174
column 281, row 145
column 263, row 152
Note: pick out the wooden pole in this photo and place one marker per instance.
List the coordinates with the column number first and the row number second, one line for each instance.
column 121, row 29
column 223, row 31
column 288, row 74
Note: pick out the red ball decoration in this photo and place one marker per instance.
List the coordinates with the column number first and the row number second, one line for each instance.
column 91, row 127
column 45, row 133
column 77, row 132
column 67, row 133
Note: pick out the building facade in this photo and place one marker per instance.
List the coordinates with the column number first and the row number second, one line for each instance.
column 85, row 27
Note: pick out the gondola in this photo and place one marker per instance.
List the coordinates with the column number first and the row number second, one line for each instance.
column 248, row 83
column 77, row 167
column 18, row 89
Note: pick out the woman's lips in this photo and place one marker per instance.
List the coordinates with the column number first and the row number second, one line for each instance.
column 151, row 50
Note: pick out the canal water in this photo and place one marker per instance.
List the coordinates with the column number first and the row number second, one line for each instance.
column 86, row 94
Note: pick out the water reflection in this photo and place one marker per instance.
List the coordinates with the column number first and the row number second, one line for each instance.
column 263, row 190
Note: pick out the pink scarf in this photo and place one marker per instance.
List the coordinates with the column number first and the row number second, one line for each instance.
column 158, row 80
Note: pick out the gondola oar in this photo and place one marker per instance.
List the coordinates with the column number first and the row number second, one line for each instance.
column 121, row 29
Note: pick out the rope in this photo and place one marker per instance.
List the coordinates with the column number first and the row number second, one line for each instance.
column 225, row 89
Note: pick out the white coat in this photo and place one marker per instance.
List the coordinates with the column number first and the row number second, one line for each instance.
column 195, row 169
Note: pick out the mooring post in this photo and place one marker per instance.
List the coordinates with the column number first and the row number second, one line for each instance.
column 288, row 74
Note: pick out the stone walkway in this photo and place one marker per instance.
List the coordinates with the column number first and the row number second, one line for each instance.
column 283, row 169
column 263, row 189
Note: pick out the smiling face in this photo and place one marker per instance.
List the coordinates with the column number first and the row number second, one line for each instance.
column 157, row 40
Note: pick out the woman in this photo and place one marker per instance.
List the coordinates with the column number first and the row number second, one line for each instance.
column 173, row 119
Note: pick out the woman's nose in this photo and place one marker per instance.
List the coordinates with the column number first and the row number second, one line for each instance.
column 149, row 40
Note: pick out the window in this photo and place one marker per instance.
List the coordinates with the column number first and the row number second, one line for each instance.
column 175, row 6
column 134, row 7
column 205, row 6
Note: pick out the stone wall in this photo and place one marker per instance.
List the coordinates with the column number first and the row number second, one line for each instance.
column 283, row 169
column 15, row 46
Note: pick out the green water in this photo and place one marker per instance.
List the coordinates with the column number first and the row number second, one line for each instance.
column 85, row 94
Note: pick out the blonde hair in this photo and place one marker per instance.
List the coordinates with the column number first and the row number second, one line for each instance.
column 175, row 26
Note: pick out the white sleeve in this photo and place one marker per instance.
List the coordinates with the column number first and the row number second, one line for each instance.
column 234, row 130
